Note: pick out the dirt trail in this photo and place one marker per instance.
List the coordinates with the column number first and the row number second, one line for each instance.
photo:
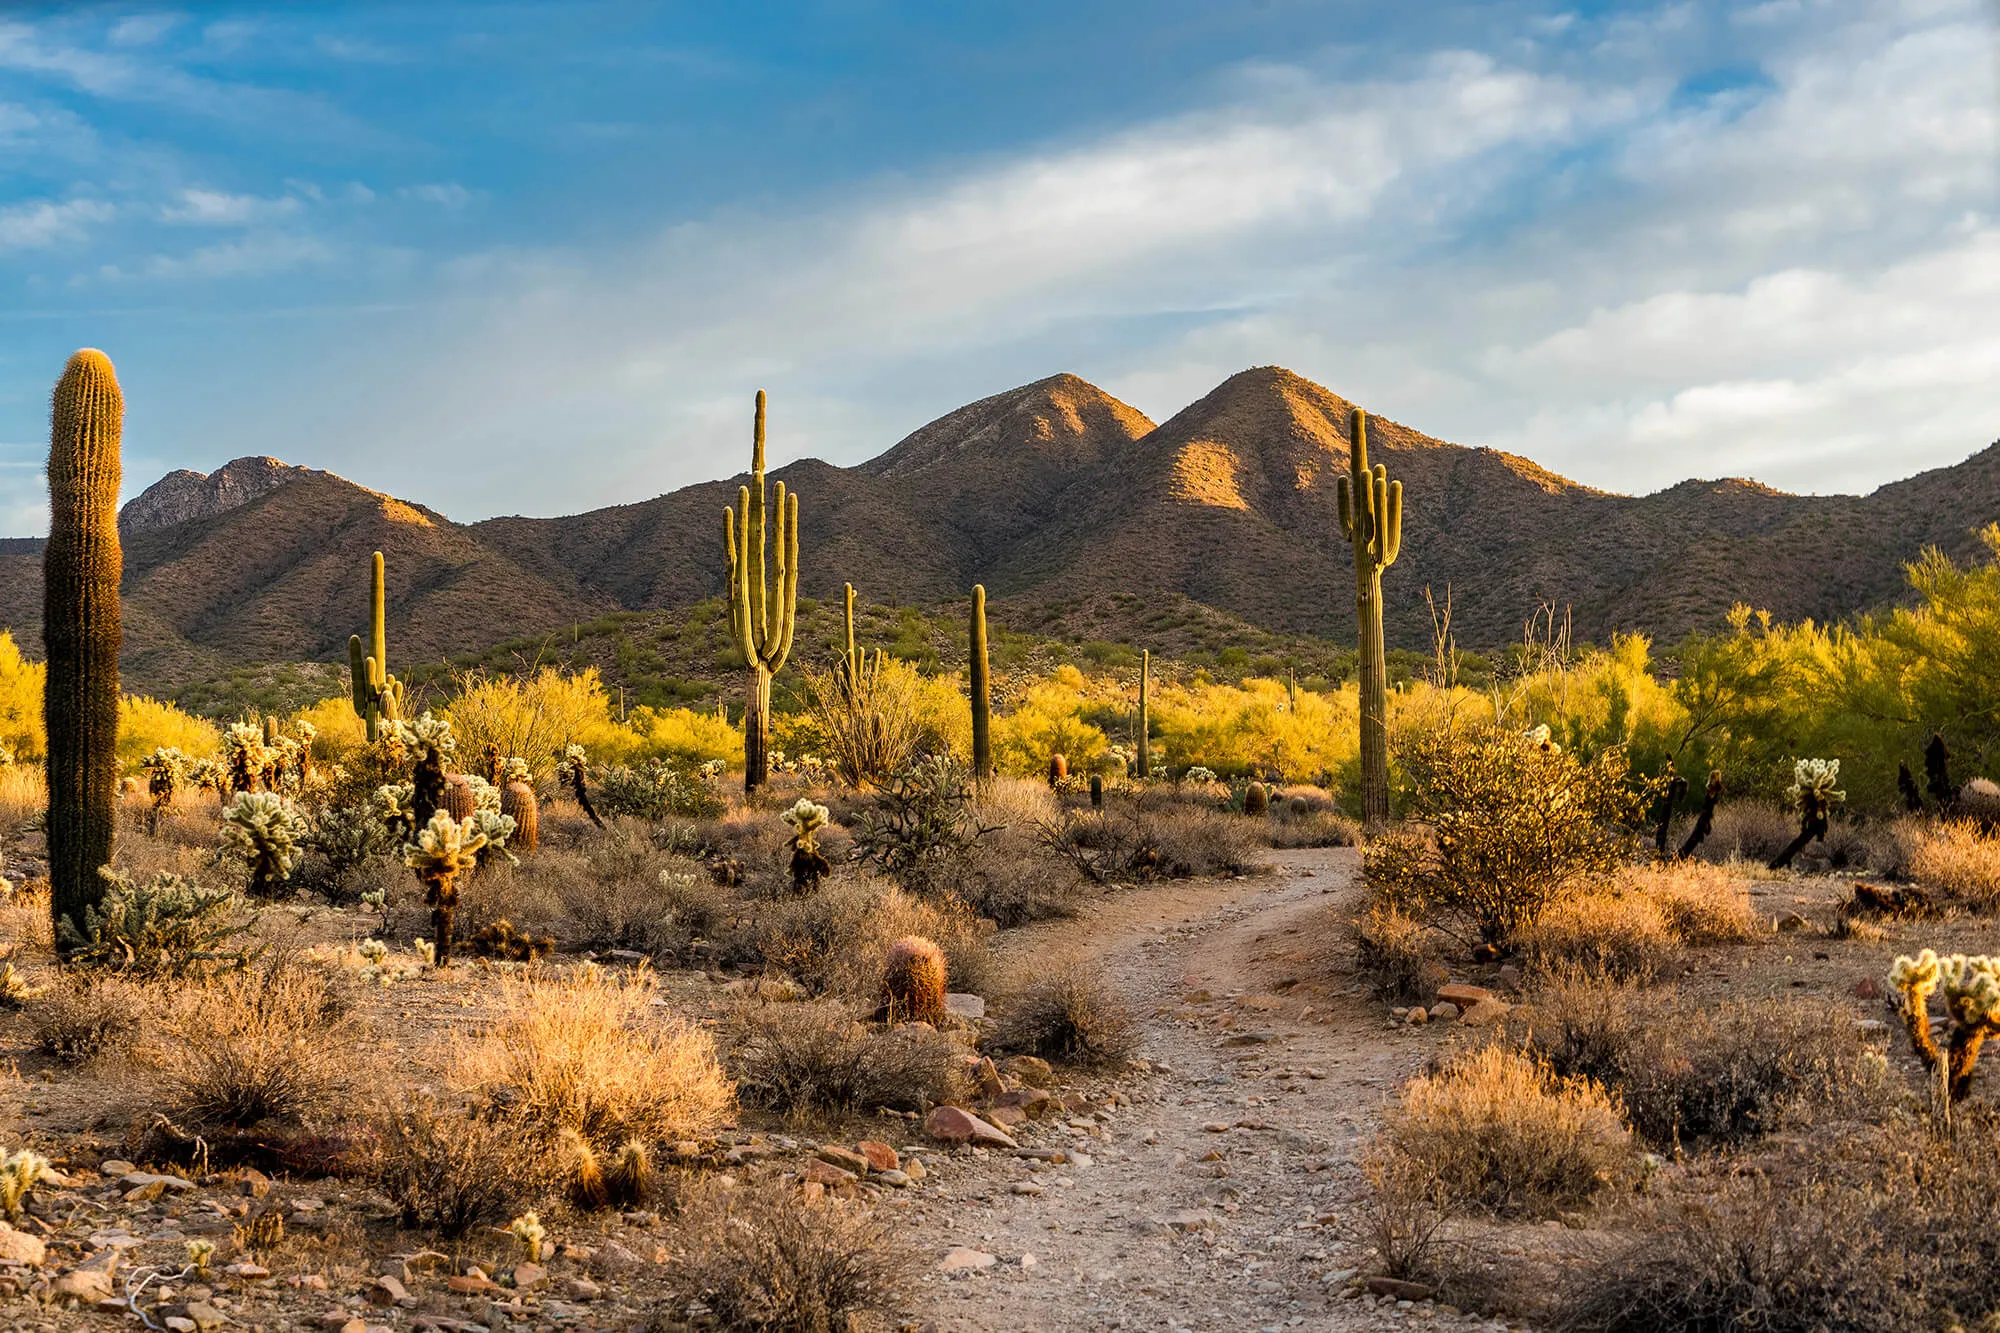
column 1225, row 1196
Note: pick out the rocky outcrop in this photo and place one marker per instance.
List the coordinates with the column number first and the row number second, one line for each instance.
column 183, row 496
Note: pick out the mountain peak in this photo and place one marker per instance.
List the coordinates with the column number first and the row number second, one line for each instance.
column 183, row 496
column 1062, row 421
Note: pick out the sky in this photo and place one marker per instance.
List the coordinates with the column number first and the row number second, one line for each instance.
column 537, row 258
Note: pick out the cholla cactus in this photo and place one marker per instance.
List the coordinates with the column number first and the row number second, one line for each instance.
column 711, row 769
column 1813, row 793
column 498, row 830
column 393, row 806
column 528, row 1229
column 248, row 757
column 199, row 1253
column 165, row 769
column 20, row 1172
column 514, row 770
column 1971, row 999
column 440, row 853
column 809, row 867
column 14, row 989
column 1199, row 773
column 485, row 796
column 373, row 950
column 1541, row 738
column 573, row 761
column 267, row 831
column 428, row 732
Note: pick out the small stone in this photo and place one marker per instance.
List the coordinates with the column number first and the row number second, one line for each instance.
column 115, row 1168
column 248, row 1272
column 1029, row 1069
column 950, row 1124
column 961, row 1259
column 1867, row 989
column 1027, row 1187
column 826, row 1174
column 307, row 1204
column 1442, row 1012
column 90, row 1282
column 582, row 1289
column 1462, row 995
column 180, row 1323
column 1416, row 1017
column 1251, row 1039
column 852, row 1162
column 965, row 1006
column 1486, row 1011
column 879, row 1156
column 1190, row 1220
column 139, row 1179
column 204, row 1316
column 386, row 1290
column 253, row 1184
column 914, row 1168
column 467, row 1284
column 1216, row 1127
column 1399, row 1290
column 18, row 1247
column 894, row 1179
column 613, row 1258
column 529, row 1276
column 1007, row 1117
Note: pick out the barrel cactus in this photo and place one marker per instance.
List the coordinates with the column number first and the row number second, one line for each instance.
column 269, row 833
column 913, row 978
column 1058, row 769
column 458, row 799
column 1256, row 799
column 518, row 803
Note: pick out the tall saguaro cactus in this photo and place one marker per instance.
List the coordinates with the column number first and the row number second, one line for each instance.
column 982, row 690
column 377, row 694
column 81, row 630
column 1371, row 515
column 1145, row 747
column 760, row 617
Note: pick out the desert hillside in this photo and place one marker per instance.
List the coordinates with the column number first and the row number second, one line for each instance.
column 1051, row 494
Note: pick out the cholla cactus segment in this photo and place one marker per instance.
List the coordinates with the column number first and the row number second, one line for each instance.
column 427, row 732
column 20, row 1172
column 514, row 770
column 1816, row 776
column 166, row 759
column 528, row 1230
column 711, row 769
column 444, row 848
column 200, row 1252
column 373, row 950
column 806, row 818
column 1972, row 990
column 394, row 803
column 574, row 754
column 1918, row 976
column 497, row 829
column 485, row 796
column 1199, row 773
column 425, row 950
column 267, row 830
column 1541, row 738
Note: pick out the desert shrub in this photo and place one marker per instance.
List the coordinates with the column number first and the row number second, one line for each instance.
column 266, row 1044
column 1514, row 825
column 1310, row 827
column 1953, row 856
column 85, row 1018
column 1690, row 1073
column 654, row 791
column 1753, row 831
column 21, row 684
column 1619, row 935
column 684, row 737
column 1398, row 955
column 1503, row 1133
column 763, row 1259
column 145, row 725
column 870, row 728
column 451, row 1168
column 833, row 942
column 617, row 891
column 1150, row 834
column 533, row 716
column 1009, row 876
column 167, row 926
column 341, row 841
column 815, row 1058
column 922, row 829
column 1068, row 1013
column 591, row 1054
column 1701, row 904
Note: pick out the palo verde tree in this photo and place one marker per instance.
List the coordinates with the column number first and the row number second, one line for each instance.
column 761, row 617
column 1371, row 514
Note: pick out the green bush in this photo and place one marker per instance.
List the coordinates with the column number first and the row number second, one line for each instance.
column 167, row 926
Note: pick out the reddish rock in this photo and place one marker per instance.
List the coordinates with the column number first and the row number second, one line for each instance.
column 1462, row 995
column 1401, row 1290
column 827, row 1174
column 1867, row 989
column 844, row 1158
column 1486, row 1011
column 880, row 1156
column 1007, row 1117
column 950, row 1124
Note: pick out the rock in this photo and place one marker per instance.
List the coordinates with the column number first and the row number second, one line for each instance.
column 1417, row 1017
column 613, row 1258
column 988, row 1079
column 879, row 1156
column 1251, row 1039
column 1216, row 1127
column 1029, row 1069
column 965, row 1006
column 114, row 1168
column 248, row 1272
column 847, row 1160
column 204, row 1316
column 141, row 1179
column 914, row 1168
column 466, row 1284
column 1027, row 1187
column 964, row 1260
column 253, row 1184
column 1486, row 1011
column 88, row 1283
column 529, row 1276
column 1190, row 1220
column 1028, row 1261
column 826, row 1174
column 582, row 1289
column 950, row 1124
column 1792, row 921
column 18, row 1247
column 1397, row 1289
column 1007, row 1117
column 1867, row 989
column 893, row 1178
column 386, row 1290
column 1462, row 995
column 1442, row 1012
column 1263, row 1004
column 179, row 1323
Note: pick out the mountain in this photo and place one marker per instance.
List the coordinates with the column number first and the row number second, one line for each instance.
column 1065, row 502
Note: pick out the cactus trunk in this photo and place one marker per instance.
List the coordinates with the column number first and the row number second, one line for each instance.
column 1371, row 516
column 1145, row 745
column 81, row 630
column 377, row 694
column 982, row 691
column 761, row 618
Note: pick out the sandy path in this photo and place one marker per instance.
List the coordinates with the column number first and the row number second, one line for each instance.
column 1224, row 1196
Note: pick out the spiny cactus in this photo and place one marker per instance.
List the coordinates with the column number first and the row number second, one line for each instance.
column 458, row 800
column 1906, row 787
column 165, row 769
column 269, row 833
column 1144, row 724
column 82, row 630
column 490, row 765
column 1704, row 820
column 20, row 1172
column 982, row 691
column 378, row 696
column 244, row 744
column 630, row 1181
column 809, row 866
column 1097, row 791
column 518, row 803
column 1058, row 769
column 573, row 773
column 913, row 978
column 1813, row 793
column 1256, row 800
column 761, row 618
column 1371, row 514
column 1972, row 1000
column 441, row 852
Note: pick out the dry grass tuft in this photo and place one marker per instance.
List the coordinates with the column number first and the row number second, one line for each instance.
column 1703, row 904
column 1069, row 1013
column 78, row 1021
column 1500, row 1132
column 451, row 1169
column 1953, row 856
column 833, row 942
column 590, row 1052
column 1623, row 936
column 1401, row 956
column 815, row 1058
column 764, row 1259
column 268, row 1044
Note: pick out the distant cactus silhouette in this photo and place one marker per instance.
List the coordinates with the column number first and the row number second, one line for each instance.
column 82, row 630
column 1906, row 787
column 914, row 979
column 378, row 696
column 1371, row 514
column 982, row 690
column 1677, row 790
column 1097, row 791
column 1937, row 771
column 1145, row 746
column 1704, row 821
column 761, row 618
column 518, row 803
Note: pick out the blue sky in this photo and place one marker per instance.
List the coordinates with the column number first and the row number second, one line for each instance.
column 536, row 257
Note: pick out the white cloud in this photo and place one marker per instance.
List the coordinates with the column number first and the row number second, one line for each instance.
column 216, row 208
column 448, row 195
column 41, row 222
column 257, row 254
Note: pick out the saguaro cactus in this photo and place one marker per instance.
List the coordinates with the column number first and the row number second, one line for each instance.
column 1371, row 514
column 377, row 694
column 1145, row 745
column 982, row 691
column 761, row 618
column 82, row 630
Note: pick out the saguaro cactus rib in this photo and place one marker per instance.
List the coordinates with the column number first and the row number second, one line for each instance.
column 1371, row 516
column 82, row 629
column 761, row 619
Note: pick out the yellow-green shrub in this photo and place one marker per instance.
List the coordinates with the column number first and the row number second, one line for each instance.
column 683, row 736
column 20, row 701
column 146, row 724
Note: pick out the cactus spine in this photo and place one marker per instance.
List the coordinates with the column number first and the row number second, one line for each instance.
column 377, row 694
column 1371, row 515
column 1145, row 745
column 982, row 691
column 82, row 630
column 761, row 618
